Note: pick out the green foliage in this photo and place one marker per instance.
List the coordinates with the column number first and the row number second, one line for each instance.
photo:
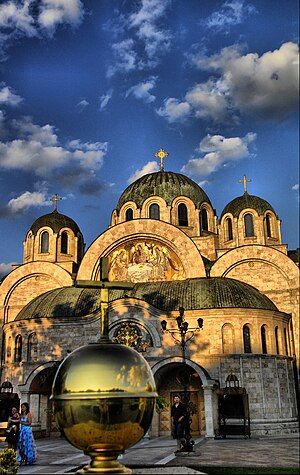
column 8, row 460
column 161, row 404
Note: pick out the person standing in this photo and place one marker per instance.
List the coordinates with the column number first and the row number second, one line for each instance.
column 13, row 425
column 178, row 415
column 26, row 444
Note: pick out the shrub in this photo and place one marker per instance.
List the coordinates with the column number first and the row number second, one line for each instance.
column 8, row 459
column 161, row 404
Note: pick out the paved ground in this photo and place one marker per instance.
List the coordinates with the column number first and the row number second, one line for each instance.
column 156, row 456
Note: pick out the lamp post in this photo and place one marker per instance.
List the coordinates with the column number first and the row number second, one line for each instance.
column 185, row 334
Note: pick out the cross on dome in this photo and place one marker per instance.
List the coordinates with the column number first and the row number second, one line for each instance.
column 161, row 154
column 55, row 198
column 245, row 181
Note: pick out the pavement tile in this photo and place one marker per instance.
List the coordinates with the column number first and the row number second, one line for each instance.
column 156, row 456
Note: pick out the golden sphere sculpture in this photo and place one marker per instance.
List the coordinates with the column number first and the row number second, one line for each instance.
column 103, row 400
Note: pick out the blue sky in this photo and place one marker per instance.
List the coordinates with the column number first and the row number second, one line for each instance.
column 90, row 90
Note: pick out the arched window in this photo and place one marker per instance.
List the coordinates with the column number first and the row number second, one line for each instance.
column 29, row 245
column 64, row 243
column 80, row 248
column 268, row 225
column 129, row 214
column 44, row 242
column 285, row 341
column 229, row 229
column 277, row 340
column 228, row 345
column 247, row 339
column 154, row 212
column 182, row 215
column 32, row 347
column 248, row 222
column 18, row 349
column 8, row 349
column 203, row 220
column 263, row 333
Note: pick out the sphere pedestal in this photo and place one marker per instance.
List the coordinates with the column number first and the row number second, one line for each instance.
column 103, row 400
column 104, row 461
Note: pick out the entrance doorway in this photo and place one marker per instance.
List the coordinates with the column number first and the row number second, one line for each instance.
column 170, row 380
column 40, row 403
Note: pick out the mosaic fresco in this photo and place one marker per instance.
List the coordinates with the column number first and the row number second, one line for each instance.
column 144, row 261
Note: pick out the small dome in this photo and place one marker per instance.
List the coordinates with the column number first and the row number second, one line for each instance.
column 231, row 377
column 247, row 201
column 7, row 385
column 56, row 221
column 192, row 294
column 167, row 185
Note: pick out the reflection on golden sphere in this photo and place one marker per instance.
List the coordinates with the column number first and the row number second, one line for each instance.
column 103, row 395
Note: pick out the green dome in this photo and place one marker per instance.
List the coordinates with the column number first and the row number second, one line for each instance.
column 62, row 302
column 192, row 294
column 55, row 221
column 167, row 185
column 247, row 201
column 199, row 293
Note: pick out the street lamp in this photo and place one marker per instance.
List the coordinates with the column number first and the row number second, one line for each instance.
column 186, row 334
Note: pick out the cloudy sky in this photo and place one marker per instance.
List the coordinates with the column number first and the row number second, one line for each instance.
column 90, row 90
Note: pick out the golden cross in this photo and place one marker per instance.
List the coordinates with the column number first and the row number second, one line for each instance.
column 245, row 181
column 55, row 199
column 161, row 154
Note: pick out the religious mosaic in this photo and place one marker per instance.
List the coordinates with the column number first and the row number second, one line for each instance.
column 144, row 261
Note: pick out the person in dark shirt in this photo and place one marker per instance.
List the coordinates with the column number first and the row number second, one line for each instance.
column 178, row 415
column 13, row 425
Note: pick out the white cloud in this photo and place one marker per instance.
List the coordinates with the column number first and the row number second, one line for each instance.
column 265, row 87
column 56, row 12
column 231, row 12
column 208, row 101
column 42, row 134
column 219, row 151
column 27, row 200
column 150, row 167
column 8, row 97
column 36, row 19
column 105, row 98
column 37, row 149
column 89, row 154
column 141, row 90
column 5, row 269
column 174, row 111
column 295, row 187
column 16, row 20
column 156, row 40
column 148, row 39
column 125, row 57
column 82, row 104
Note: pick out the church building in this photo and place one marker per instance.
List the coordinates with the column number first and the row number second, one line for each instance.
column 166, row 254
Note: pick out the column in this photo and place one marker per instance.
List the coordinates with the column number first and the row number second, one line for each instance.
column 210, row 410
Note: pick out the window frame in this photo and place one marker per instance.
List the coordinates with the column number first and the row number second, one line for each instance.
column 247, row 338
column 18, row 349
column 154, row 214
column 44, row 242
column 182, row 214
column 248, row 225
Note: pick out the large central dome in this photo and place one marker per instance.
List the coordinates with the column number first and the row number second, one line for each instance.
column 167, row 185
column 192, row 294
